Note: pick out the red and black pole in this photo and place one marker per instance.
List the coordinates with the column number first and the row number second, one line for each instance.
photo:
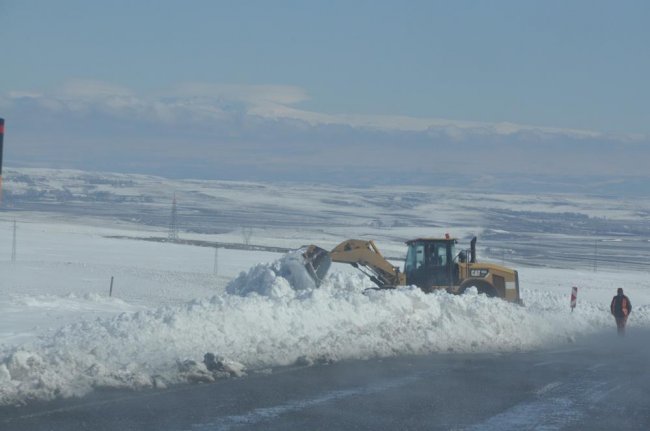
column 2, row 135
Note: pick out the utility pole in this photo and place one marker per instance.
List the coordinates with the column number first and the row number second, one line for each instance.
column 216, row 260
column 2, row 135
column 13, row 247
column 173, row 226
column 247, row 233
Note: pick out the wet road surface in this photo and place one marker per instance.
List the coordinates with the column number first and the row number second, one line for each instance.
column 600, row 383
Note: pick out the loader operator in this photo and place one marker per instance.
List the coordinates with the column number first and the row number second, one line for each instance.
column 621, row 309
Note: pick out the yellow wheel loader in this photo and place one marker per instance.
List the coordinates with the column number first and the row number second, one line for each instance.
column 431, row 264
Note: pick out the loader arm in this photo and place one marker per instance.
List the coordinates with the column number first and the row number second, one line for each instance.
column 366, row 256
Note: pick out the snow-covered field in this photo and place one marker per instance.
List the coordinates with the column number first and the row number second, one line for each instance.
column 62, row 335
column 560, row 230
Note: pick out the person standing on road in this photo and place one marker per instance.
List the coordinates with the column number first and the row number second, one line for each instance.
column 621, row 309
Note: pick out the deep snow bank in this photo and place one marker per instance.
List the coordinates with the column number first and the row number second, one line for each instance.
column 272, row 316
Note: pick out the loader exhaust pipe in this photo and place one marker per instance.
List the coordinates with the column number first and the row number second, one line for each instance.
column 472, row 251
column 2, row 135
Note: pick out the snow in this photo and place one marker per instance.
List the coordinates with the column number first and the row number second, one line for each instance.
column 61, row 335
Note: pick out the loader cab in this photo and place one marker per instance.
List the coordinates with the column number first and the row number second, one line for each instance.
column 430, row 263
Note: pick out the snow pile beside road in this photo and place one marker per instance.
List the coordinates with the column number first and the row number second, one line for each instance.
column 70, row 302
column 24, row 317
column 272, row 317
column 285, row 278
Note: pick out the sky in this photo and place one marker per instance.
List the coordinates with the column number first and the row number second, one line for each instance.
column 327, row 89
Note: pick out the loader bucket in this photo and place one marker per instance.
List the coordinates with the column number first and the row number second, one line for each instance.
column 317, row 262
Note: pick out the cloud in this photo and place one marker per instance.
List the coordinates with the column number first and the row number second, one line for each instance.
column 85, row 89
column 251, row 94
column 260, row 132
column 198, row 102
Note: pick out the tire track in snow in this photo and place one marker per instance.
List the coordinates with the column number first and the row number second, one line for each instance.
column 259, row 415
column 558, row 405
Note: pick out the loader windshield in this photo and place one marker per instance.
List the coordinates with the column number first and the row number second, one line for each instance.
column 414, row 257
column 439, row 254
column 429, row 253
column 430, row 262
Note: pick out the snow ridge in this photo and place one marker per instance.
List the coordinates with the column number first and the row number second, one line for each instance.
column 273, row 316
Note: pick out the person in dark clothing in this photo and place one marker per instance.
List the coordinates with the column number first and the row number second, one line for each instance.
column 621, row 308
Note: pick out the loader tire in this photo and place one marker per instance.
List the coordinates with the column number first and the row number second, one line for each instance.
column 482, row 286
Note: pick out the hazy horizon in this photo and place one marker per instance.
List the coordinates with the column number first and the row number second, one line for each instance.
column 361, row 93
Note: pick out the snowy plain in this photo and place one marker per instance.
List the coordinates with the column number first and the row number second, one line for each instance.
column 62, row 335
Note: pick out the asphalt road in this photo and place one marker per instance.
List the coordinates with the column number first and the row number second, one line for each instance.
column 600, row 383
